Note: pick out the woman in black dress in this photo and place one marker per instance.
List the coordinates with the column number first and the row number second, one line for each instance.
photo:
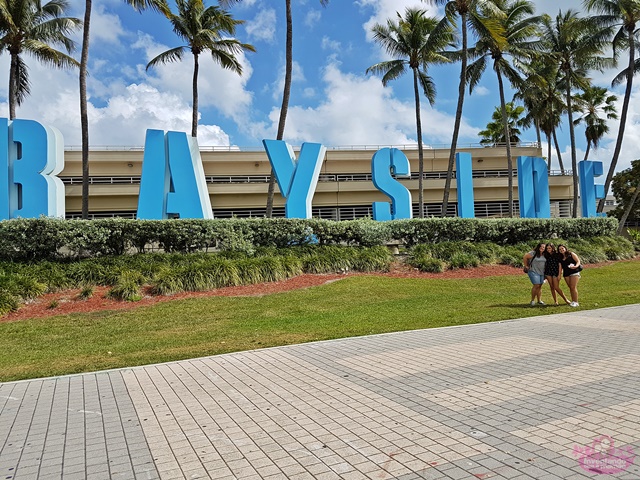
column 552, row 272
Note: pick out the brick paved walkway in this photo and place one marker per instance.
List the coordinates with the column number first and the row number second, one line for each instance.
column 502, row 400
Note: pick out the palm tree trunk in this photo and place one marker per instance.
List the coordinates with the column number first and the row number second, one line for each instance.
column 549, row 152
column 285, row 103
column 627, row 210
column 507, row 136
column 586, row 154
column 84, row 117
column 416, row 93
column 574, row 160
column 557, row 145
column 13, row 90
column 623, row 118
column 194, row 112
column 456, row 125
column 538, row 136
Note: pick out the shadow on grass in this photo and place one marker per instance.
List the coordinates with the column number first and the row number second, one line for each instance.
column 526, row 306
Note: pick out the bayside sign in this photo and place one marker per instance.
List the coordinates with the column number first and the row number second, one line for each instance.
column 173, row 183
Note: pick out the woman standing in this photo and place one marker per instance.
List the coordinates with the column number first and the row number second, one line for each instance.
column 571, row 267
column 534, row 263
column 552, row 272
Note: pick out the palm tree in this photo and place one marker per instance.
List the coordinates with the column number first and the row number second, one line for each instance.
column 544, row 101
column 597, row 107
column 493, row 135
column 84, row 62
column 576, row 45
column 467, row 10
column 415, row 41
column 515, row 17
column 619, row 18
column 202, row 29
column 27, row 26
column 288, row 73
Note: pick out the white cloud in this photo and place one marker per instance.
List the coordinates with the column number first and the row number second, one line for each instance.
column 553, row 6
column 263, row 26
column 385, row 9
column 312, row 18
column 481, row 91
column 297, row 75
column 328, row 44
column 359, row 111
column 123, row 120
column 217, row 87
column 105, row 27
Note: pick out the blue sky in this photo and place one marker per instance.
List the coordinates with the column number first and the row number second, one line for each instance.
column 333, row 101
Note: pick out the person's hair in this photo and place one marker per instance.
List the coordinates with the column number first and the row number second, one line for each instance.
column 553, row 251
column 566, row 254
column 537, row 249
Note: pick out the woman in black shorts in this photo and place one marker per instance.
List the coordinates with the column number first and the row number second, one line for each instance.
column 571, row 267
column 552, row 272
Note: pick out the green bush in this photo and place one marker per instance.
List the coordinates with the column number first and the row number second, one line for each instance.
column 45, row 238
column 8, row 302
column 127, row 287
column 463, row 260
column 86, row 293
column 426, row 263
column 167, row 282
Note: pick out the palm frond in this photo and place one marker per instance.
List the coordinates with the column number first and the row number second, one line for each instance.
column 169, row 56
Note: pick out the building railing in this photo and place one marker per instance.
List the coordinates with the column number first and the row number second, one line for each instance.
column 324, row 177
column 561, row 208
column 235, row 148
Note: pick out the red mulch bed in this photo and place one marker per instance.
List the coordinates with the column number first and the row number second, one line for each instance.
column 68, row 302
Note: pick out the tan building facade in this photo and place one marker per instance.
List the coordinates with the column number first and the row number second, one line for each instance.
column 237, row 182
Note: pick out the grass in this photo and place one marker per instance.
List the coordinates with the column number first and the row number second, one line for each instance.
column 358, row 305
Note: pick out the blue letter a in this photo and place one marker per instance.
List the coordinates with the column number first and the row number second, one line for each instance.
column 173, row 181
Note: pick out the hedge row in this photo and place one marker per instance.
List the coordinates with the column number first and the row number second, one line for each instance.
column 44, row 238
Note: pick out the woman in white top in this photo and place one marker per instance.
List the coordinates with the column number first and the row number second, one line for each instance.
column 534, row 263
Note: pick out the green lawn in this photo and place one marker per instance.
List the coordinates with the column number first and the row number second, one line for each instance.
column 358, row 305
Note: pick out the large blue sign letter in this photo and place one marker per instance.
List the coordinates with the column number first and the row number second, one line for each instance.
column 385, row 162
column 533, row 188
column 589, row 191
column 173, row 181
column 464, row 184
column 31, row 155
column 297, row 180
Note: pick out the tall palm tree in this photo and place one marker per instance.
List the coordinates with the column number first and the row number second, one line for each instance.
column 544, row 101
column 493, row 134
column 576, row 45
column 620, row 19
column 84, row 62
column 467, row 10
column 28, row 26
column 202, row 30
column 286, row 94
column 520, row 27
column 414, row 41
column 596, row 107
